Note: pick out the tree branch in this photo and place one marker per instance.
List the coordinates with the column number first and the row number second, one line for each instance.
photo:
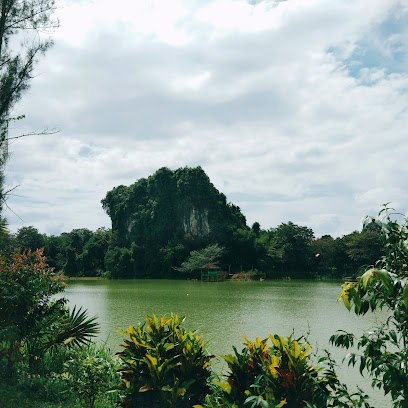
column 14, row 24
column 45, row 132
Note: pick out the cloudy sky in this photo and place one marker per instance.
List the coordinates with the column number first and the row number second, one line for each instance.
column 297, row 110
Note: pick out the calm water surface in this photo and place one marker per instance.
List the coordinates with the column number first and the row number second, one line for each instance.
column 223, row 311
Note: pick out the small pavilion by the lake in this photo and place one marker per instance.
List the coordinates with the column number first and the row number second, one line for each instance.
column 211, row 272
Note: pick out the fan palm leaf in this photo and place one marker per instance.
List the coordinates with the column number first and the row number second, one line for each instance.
column 78, row 330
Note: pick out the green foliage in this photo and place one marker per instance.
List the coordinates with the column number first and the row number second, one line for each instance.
column 385, row 348
column 163, row 365
column 35, row 391
column 175, row 221
column 55, row 251
column 119, row 263
column 331, row 258
column 55, row 327
column 20, row 23
column 29, row 322
column 29, row 238
column 26, row 286
column 66, row 377
column 210, row 254
column 275, row 253
column 170, row 214
column 331, row 392
column 4, row 233
column 270, row 375
column 76, row 330
column 256, row 228
column 70, row 266
column 21, row 19
column 365, row 247
column 290, row 251
column 80, row 252
column 92, row 259
column 91, row 373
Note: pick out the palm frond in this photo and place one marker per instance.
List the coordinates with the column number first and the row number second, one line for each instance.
column 78, row 329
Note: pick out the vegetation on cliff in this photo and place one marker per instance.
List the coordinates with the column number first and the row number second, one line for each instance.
column 161, row 219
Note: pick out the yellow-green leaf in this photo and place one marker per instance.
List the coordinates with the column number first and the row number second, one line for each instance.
column 144, row 388
column 274, row 341
column 367, row 278
column 405, row 296
column 296, row 349
column 224, row 386
column 385, row 279
column 153, row 360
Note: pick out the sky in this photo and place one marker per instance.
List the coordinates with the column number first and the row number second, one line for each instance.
column 297, row 110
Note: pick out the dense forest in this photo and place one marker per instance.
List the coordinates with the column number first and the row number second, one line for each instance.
column 169, row 224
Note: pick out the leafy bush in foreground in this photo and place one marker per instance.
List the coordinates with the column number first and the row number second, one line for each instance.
column 269, row 375
column 163, row 365
column 26, row 287
column 385, row 286
column 30, row 323
column 90, row 372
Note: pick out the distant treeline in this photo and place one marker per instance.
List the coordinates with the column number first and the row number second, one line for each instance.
column 288, row 250
column 173, row 222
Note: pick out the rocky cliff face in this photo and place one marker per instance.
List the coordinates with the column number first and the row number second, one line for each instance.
column 196, row 224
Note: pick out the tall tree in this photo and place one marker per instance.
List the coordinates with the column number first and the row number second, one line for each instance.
column 197, row 259
column 16, row 66
column 291, row 249
column 364, row 248
column 24, row 22
column 29, row 238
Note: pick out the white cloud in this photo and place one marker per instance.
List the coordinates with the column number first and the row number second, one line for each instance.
column 82, row 21
column 262, row 97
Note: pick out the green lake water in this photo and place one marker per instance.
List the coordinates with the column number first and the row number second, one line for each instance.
column 223, row 311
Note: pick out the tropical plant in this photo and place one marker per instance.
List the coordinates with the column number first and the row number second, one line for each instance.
column 384, row 349
column 26, row 287
column 266, row 375
column 56, row 327
column 29, row 320
column 163, row 365
column 331, row 392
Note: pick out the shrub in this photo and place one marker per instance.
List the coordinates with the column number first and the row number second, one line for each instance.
column 269, row 375
column 248, row 275
column 29, row 320
column 384, row 286
column 91, row 373
column 26, row 287
column 163, row 365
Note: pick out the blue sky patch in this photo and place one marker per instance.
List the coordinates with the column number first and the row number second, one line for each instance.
column 85, row 151
column 385, row 47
